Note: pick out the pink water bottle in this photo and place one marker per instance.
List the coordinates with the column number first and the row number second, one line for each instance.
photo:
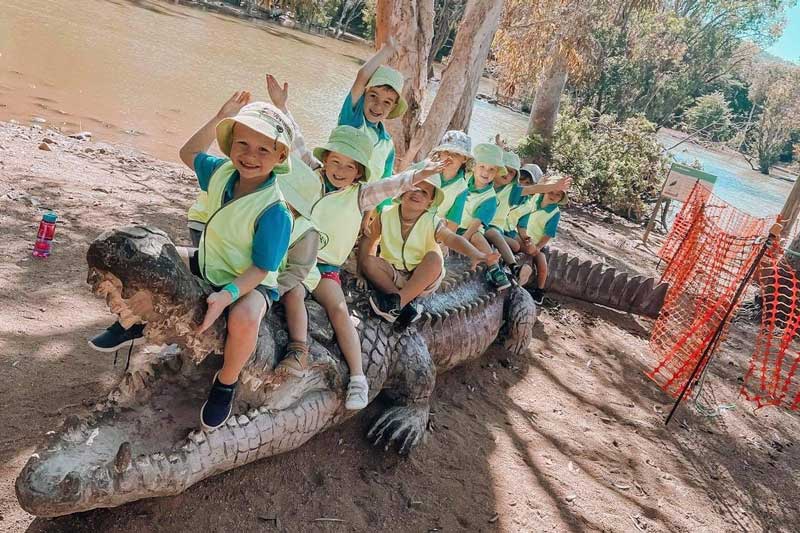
column 44, row 238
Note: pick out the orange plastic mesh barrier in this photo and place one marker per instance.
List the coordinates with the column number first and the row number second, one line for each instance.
column 710, row 252
column 772, row 376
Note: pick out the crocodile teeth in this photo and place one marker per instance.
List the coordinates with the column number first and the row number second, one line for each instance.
column 252, row 413
column 242, row 420
column 198, row 437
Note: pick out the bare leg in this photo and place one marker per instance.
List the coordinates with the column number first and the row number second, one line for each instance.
column 378, row 276
column 480, row 242
column 329, row 294
column 243, row 321
column 541, row 269
column 513, row 244
column 296, row 314
column 498, row 240
column 426, row 273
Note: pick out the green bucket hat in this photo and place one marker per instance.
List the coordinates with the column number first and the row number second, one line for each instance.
column 511, row 160
column 350, row 142
column 300, row 187
column 262, row 118
column 389, row 76
column 490, row 154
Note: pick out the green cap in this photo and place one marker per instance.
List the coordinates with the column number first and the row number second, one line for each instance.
column 490, row 154
column 350, row 142
column 511, row 160
column 389, row 76
column 300, row 187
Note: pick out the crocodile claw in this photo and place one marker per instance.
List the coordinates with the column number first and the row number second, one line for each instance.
column 403, row 424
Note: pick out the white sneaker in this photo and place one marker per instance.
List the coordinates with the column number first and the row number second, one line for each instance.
column 357, row 393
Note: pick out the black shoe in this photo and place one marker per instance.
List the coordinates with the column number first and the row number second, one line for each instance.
column 386, row 306
column 219, row 405
column 408, row 315
column 538, row 296
column 115, row 337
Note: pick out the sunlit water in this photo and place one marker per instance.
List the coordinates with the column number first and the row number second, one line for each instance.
column 148, row 73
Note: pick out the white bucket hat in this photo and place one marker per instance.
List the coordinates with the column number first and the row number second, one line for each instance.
column 260, row 117
column 534, row 170
column 455, row 141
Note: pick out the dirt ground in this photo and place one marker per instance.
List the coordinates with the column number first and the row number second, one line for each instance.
column 567, row 437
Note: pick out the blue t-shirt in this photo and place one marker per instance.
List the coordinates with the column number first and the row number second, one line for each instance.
column 486, row 210
column 273, row 227
column 353, row 115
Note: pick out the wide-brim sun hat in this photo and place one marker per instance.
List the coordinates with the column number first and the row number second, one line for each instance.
column 534, row 171
column 391, row 78
column 350, row 142
column 455, row 141
column 262, row 118
column 490, row 154
column 511, row 160
column 300, row 187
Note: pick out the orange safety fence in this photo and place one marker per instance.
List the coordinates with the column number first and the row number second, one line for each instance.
column 772, row 378
column 708, row 252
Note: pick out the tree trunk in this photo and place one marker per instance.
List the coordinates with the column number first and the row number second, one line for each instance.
column 547, row 101
column 481, row 18
column 463, row 113
column 411, row 24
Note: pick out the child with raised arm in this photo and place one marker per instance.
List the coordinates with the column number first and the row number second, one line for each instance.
column 247, row 233
column 376, row 96
column 455, row 147
column 505, row 185
column 410, row 262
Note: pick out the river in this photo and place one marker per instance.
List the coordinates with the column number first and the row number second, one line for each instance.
column 147, row 73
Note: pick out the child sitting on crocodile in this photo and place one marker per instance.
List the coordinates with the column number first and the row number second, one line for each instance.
column 516, row 232
column 542, row 227
column 247, row 233
column 455, row 147
column 410, row 262
column 339, row 193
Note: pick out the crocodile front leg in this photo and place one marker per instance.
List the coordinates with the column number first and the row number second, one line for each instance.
column 520, row 317
column 410, row 385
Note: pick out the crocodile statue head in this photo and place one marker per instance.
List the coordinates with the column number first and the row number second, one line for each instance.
column 144, row 440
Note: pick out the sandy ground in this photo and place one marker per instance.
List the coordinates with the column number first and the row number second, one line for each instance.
column 567, row 437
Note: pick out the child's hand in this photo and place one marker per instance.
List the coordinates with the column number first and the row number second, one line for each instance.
column 234, row 104
column 564, row 183
column 484, row 258
column 217, row 302
column 499, row 141
column 279, row 95
column 431, row 168
column 532, row 250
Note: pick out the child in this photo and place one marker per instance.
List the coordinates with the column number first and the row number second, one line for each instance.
column 542, row 226
column 410, row 263
column 340, row 194
column 505, row 185
column 481, row 205
column 376, row 96
column 247, row 233
column 515, row 232
column 456, row 146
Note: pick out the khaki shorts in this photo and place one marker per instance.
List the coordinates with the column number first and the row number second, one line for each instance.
column 401, row 277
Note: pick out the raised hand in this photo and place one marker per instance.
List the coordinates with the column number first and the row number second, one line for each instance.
column 431, row 168
column 234, row 104
column 564, row 183
column 499, row 141
column 279, row 95
column 217, row 302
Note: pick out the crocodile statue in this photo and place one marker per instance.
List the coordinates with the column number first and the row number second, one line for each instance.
column 144, row 440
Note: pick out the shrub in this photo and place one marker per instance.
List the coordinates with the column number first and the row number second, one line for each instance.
column 711, row 117
column 615, row 165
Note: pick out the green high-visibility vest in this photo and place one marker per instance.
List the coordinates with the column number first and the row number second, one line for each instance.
column 381, row 148
column 199, row 210
column 303, row 226
column 406, row 254
column 516, row 212
column 474, row 200
column 503, row 206
column 538, row 220
column 451, row 191
column 226, row 246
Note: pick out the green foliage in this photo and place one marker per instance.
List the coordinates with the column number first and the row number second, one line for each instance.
column 368, row 18
column 710, row 117
column 616, row 165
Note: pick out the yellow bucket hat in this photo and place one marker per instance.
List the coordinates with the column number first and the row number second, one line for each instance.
column 490, row 154
column 392, row 78
column 262, row 118
column 511, row 160
column 350, row 142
